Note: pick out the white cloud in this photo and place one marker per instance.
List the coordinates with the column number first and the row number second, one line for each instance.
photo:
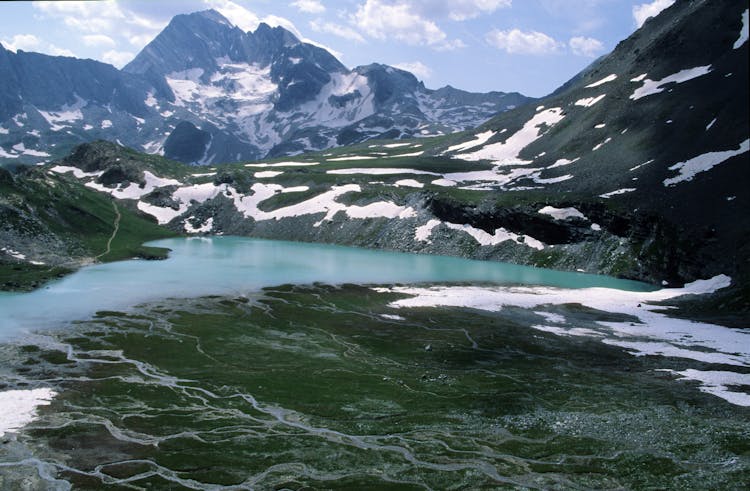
column 515, row 41
column 418, row 68
column 25, row 42
column 98, row 40
column 29, row 42
column 235, row 13
column 53, row 50
column 92, row 17
column 399, row 21
column 645, row 10
column 309, row 6
column 140, row 40
column 460, row 10
column 583, row 46
column 450, row 45
column 118, row 58
column 337, row 30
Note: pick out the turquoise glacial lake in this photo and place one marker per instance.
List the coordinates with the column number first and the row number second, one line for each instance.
column 237, row 265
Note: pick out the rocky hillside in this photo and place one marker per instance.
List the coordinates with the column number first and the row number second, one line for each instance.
column 203, row 91
column 50, row 225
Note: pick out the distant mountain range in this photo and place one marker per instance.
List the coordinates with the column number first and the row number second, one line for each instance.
column 203, row 91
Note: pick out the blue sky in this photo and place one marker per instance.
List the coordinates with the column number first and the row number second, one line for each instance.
column 529, row 46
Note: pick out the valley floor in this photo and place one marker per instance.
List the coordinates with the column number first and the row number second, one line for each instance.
column 350, row 387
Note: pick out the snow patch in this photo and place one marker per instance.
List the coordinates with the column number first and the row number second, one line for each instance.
column 479, row 139
column 563, row 162
column 615, row 193
column 353, row 157
column 589, row 101
column 62, row 169
column 267, row 174
column 703, row 163
column 423, row 232
column 413, row 154
column 600, row 145
column 12, row 253
column 651, row 87
column 134, row 190
column 379, row 171
column 500, row 235
column 743, row 32
column 18, row 407
column 66, row 115
column 284, row 164
column 641, row 165
column 408, row 183
column 717, row 383
column 207, row 226
column 504, row 153
column 608, row 78
column 562, row 213
column 446, row 183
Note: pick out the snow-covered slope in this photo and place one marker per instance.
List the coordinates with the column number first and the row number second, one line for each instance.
column 203, row 91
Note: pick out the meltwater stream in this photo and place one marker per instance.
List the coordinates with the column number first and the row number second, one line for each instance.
column 234, row 265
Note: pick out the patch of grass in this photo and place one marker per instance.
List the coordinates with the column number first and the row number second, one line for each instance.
column 282, row 200
column 26, row 277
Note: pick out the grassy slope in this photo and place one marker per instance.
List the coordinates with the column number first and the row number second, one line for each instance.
column 45, row 208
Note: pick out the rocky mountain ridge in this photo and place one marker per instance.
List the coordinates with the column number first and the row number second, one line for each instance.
column 203, row 91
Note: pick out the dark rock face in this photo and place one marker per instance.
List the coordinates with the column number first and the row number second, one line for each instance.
column 186, row 143
column 255, row 94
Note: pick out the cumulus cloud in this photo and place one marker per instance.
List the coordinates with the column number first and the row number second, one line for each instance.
column 337, row 30
column 515, row 41
column 460, row 10
column 235, row 13
column 29, row 42
column 645, row 10
column 84, row 16
column 98, row 40
column 53, row 50
column 118, row 58
column 309, row 6
column 400, row 21
column 583, row 46
column 140, row 40
column 25, row 42
column 418, row 68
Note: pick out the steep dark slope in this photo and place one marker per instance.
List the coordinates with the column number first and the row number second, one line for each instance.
column 660, row 128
